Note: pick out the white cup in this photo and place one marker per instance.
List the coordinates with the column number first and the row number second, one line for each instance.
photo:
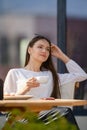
column 42, row 79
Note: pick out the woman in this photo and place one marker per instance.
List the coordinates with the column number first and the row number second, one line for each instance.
column 38, row 62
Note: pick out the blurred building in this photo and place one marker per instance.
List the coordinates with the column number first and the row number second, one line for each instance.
column 15, row 28
column 20, row 20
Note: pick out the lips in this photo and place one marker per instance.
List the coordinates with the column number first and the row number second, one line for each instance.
column 43, row 55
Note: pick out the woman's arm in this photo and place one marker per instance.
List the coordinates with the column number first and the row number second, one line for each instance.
column 10, row 84
column 76, row 73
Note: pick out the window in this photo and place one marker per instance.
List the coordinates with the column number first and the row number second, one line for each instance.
column 77, row 44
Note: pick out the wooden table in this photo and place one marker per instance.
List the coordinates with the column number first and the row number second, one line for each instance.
column 37, row 105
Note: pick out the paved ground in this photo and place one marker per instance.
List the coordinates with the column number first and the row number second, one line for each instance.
column 2, row 121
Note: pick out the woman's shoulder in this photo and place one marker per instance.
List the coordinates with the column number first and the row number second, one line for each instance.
column 15, row 70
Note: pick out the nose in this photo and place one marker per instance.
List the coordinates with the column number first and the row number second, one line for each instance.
column 43, row 50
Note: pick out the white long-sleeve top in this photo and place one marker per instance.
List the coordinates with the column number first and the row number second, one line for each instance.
column 16, row 78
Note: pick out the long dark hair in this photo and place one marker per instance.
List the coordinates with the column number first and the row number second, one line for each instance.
column 48, row 65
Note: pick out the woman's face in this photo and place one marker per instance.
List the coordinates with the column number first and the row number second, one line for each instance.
column 40, row 51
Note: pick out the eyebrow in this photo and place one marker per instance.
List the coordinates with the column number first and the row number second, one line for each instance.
column 43, row 45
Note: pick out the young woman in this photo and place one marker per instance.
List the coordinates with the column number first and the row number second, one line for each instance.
column 38, row 62
column 21, row 81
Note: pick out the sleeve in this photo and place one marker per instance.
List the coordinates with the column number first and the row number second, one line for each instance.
column 76, row 73
column 10, row 83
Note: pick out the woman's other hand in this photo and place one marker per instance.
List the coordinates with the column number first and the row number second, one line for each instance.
column 30, row 83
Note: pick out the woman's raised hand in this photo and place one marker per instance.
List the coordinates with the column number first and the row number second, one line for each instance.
column 57, row 52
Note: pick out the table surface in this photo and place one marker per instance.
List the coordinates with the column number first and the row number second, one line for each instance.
column 37, row 105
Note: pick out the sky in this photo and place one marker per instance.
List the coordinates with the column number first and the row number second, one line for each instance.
column 75, row 8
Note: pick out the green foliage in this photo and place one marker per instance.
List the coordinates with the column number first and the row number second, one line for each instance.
column 29, row 121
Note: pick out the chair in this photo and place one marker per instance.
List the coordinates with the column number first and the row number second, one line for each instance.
column 2, row 116
column 1, row 82
column 1, row 89
column 68, row 90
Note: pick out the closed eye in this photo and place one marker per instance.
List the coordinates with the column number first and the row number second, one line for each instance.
column 48, row 49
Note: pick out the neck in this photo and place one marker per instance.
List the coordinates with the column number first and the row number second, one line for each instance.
column 33, row 66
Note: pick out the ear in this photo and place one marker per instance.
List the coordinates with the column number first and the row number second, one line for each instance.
column 29, row 50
